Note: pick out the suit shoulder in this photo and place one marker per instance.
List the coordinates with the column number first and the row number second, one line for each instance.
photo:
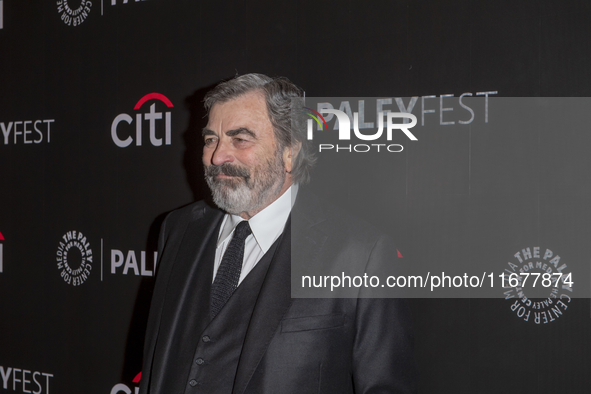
column 352, row 223
column 183, row 215
column 188, row 212
column 352, row 227
column 311, row 210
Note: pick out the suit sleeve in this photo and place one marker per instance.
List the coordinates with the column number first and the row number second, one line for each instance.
column 383, row 359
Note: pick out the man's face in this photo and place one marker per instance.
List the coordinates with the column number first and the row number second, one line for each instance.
column 243, row 166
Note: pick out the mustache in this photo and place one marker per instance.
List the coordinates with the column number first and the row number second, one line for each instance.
column 227, row 169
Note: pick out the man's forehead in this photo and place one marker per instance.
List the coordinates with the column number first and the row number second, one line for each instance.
column 250, row 107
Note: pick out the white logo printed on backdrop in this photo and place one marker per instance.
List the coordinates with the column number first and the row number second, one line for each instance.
column 74, row 258
column 73, row 17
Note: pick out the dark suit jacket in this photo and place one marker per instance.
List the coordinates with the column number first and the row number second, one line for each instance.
column 303, row 345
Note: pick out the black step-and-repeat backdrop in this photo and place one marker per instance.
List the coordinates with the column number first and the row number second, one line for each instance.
column 100, row 118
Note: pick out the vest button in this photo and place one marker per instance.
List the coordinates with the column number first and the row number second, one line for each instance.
column 199, row 361
column 193, row 383
column 206, row 338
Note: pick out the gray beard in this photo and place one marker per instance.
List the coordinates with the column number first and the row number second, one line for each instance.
column 245, row 192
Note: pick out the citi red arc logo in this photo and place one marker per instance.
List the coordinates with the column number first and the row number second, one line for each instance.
column 152, row 117
column 151, row 96
column 123, row 388
column 1, row 252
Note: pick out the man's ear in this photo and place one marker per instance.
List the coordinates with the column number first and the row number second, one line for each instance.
column 289, row 155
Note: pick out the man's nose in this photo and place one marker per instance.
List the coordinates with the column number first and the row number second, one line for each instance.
column 222, row 154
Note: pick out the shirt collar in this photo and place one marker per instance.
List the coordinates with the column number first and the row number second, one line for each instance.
column 266, row 225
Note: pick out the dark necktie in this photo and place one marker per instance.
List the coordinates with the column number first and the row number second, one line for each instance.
column 228, row 275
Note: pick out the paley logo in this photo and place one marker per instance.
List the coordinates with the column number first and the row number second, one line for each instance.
column 73, row 16
column 27, row 131
column 24, row 380
column 538, row 283
column 443, row 110
column 344, row 126
column 151, row 116
column 123, row 388
column 450, row 109
column 74, row 258
column 131, row 258
column 1, row 254
column 123, row 261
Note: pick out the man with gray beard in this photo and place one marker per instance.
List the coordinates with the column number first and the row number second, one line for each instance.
column 222, row 319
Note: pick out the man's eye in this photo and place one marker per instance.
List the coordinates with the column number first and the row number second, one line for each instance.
column 209, row 141
column 240, row 141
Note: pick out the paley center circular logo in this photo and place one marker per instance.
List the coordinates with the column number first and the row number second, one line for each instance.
column 538, row 285
column 74, row 258
column 73, row 12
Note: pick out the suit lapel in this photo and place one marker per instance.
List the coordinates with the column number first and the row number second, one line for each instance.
column 188, row 299
column 199, row 251
column 194, row 272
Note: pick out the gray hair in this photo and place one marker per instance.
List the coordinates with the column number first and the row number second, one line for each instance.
column 278, row 93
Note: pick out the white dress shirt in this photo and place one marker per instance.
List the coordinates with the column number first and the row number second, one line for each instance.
column 266, row 226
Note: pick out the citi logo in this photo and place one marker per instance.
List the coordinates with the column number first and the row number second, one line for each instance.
column 1, row 253
column 156, row 133
column 123, row 388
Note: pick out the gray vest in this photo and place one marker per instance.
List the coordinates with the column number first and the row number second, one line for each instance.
column 218, row 350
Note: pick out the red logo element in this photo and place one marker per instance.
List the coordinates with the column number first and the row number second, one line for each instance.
column 316, row 118
column 151, row 96
column 137, row 378
column 399, row 254
column 1, row 237
column 152, row 117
